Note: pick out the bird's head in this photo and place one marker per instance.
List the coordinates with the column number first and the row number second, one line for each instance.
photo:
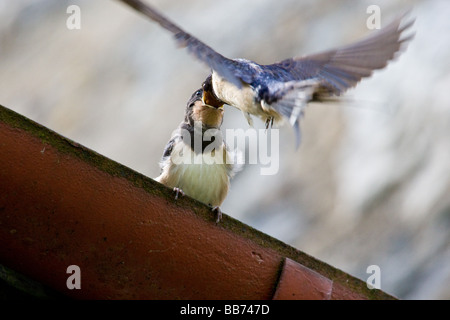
column 209, row 97
column 198, row 110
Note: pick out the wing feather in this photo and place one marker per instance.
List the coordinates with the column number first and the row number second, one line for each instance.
column 342, row 68
column 233, row 71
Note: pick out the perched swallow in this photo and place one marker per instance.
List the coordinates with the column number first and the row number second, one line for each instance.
column 281, row 91
column 196, row 160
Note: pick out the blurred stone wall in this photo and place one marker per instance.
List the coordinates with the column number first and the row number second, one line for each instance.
column 370, row 183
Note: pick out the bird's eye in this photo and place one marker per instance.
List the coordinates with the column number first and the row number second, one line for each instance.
column 198, row 93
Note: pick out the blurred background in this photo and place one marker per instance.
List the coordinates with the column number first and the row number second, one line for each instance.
column 370, row 183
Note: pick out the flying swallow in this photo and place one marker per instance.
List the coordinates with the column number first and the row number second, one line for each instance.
column 280, row 91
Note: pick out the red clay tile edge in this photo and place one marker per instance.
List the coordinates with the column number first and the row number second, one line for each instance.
column 298, row 282
column 62, row 204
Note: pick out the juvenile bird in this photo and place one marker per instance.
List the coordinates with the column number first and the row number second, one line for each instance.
column 281, row 91
column 196, row 161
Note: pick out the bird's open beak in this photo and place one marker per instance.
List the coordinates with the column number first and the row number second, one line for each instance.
column 210, row 100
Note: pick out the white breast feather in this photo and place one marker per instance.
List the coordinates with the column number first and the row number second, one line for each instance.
column 242, row 99
column 200, row 178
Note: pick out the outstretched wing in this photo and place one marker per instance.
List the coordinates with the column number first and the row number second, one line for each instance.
column 299, row 80
column 342, row 68
column 233, row 71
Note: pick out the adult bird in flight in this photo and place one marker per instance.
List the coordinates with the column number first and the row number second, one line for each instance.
column 281, row 91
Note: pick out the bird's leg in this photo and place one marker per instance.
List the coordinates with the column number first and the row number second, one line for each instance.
column 218, row 213
column 178, row 192
column 269, row 122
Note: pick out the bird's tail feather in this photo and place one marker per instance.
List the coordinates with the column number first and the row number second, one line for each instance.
column 292, row 101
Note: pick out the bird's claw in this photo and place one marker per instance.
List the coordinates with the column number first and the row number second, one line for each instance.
column 218, row 213
column 178, row 192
